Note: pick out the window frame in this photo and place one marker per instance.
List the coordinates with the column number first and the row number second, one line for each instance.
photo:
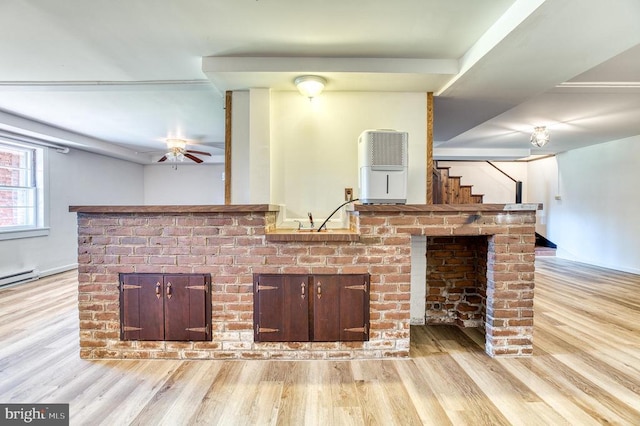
column 39, row 165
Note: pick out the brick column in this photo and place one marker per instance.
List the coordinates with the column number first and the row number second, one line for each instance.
column 509, row 301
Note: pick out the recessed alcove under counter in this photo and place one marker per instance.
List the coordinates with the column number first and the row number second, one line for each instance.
column 233, row 243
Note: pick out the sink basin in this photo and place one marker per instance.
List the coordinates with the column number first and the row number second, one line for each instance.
column 312, row 230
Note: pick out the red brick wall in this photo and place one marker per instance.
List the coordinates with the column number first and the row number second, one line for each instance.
column 232, row 246
column 456, row 280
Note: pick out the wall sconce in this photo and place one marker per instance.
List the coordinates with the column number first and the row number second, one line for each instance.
column 540, row 136
column 310, row 85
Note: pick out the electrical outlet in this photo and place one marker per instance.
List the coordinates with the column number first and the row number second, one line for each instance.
column 348, row 194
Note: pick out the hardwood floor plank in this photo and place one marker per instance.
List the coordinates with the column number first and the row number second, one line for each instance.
column 218, row 394
column 621, row 402
column 422, row 395
column 456, row 392
column 550, row 394
column 383, row 398
column 264, row 410
column 511, row 397
column 243, row 398
column 174, row 402
column 121, row 382
column 580, row 391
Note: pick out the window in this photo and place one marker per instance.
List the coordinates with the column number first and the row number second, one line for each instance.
column 21, row 189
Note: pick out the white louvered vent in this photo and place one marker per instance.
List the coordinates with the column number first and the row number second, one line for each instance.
column 386, row 148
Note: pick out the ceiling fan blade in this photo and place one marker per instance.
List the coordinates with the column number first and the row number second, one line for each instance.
column 192, row 157
column 164, row 158
column 198, row 152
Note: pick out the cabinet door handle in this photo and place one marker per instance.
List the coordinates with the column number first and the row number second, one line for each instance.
column 168, row 290
column 319, row 290
column 158, row 285
column 302, row 287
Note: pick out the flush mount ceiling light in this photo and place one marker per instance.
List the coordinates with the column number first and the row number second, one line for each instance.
column 540, row 136
column 310, row 85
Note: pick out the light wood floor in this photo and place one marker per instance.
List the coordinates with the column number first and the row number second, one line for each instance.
column 585, row 369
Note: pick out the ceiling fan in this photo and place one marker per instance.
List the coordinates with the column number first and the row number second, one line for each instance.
column 177, row 151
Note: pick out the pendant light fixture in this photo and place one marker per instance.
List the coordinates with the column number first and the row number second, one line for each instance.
column 540, row 136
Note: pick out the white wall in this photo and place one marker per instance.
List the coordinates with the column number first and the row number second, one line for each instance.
column 76, row 178
column 596, row 219
column 542, row 187
column 314, row 145
column 186, row 184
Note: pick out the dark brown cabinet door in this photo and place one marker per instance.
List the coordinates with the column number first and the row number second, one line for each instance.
column 319, row 308
column 141, row 305
column 326, row 308
column 165, row 307
column 281, row 308
column 340, row 308
column 185, row 303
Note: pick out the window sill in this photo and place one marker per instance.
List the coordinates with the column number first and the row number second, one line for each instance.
column 23, row 233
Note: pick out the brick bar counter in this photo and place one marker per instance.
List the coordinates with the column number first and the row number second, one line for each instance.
column 234, row 242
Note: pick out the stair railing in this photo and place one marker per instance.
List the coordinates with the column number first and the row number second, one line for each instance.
column 518, row 183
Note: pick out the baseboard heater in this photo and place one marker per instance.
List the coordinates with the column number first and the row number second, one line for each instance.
column 19, row 277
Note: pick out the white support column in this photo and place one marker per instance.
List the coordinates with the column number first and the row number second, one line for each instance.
column 260, row 145
column 418, row 279
column 251, row 160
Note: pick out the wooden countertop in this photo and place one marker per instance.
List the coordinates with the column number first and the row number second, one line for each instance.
column 243, row 208
column 214, row 208
column 416, row 208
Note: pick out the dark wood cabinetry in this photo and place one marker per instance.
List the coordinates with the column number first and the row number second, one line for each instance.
column 340, row 308
column 316, row 308
column 165, row 307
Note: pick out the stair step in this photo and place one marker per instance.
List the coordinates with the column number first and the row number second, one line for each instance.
column 477, row 199
column 465, row 194
column 545, row 251
column 450, row 189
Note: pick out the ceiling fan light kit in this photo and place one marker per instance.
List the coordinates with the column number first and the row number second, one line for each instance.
column 176, row 143
column 177, row 152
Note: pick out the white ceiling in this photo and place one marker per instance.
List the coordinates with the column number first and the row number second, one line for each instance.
column 118, row 77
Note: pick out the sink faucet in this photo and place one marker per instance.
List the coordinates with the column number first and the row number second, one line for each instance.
column 310, row 219
column 299, row 224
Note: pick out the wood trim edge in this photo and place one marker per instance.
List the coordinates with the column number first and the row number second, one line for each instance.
column 228, row 102
column 429, row 165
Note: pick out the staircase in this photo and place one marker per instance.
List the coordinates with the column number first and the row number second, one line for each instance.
column 544, row 247
column 449, row 190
